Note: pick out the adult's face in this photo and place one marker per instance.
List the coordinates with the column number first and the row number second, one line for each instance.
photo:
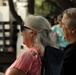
column 28, row 36
column 66, row 29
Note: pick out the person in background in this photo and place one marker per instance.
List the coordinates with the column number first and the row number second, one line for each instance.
column 68, row 25
column 36, row 35
column 58, row 33
column 54, row 21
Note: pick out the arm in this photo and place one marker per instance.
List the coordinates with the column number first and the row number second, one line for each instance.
column 21, row 65
column 14, row 71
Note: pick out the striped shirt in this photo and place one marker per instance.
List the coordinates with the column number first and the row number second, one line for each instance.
column 29, row 62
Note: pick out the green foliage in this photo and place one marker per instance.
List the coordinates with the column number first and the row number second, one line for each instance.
column 41, row 7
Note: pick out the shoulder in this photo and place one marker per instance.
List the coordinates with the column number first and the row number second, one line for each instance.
column 29, row 53
column 71, row 46
column 70, row 50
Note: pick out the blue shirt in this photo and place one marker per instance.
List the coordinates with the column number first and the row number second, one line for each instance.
column 59, row 36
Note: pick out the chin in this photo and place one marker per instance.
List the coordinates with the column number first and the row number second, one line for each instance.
column 64, row 37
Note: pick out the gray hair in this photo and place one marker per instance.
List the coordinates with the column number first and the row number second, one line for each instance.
column 42, row 26
column 71, row 17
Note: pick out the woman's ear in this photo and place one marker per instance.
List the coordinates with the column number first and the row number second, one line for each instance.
column 33, row 33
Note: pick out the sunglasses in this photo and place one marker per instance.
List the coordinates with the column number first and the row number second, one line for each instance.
column 23, row 28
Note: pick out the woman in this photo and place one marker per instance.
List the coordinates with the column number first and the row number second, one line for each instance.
column 36, row 36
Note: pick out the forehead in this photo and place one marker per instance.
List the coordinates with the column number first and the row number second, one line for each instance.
column 64, row 17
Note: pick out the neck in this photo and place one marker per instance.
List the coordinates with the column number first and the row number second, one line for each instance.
column 73, row 39
column 30, row 44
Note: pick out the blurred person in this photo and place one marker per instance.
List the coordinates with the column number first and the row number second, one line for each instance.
column 68, row 25
column 58, row 33
column 36, row 35
column 54, row 21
